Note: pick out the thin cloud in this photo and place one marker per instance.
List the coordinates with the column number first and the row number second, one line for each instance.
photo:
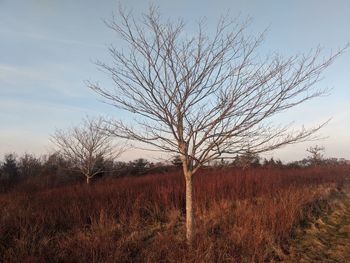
column 41, row 37
column 44, row 80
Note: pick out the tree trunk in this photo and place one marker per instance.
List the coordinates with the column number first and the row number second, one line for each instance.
column 189, row 208
column 88, row 180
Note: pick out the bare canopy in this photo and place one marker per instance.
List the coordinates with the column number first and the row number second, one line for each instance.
column 205, row 96
column 86, row 145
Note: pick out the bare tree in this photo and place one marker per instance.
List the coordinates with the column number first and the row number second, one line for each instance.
column 316, row 154
column 87, row 145
column 29, row 165
column 206, row 96
column 247, row 160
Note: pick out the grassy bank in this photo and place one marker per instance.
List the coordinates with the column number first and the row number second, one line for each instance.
column 325, row 238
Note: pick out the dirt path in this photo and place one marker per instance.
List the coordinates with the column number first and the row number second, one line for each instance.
column 328, row 238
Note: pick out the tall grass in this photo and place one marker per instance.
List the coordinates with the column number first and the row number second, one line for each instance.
column 242, row 216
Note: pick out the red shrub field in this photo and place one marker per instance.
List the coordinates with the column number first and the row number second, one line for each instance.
column 241, row 216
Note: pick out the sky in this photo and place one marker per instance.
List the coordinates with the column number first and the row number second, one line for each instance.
column 48, row 49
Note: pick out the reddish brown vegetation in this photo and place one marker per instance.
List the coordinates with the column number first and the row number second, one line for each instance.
column 242, row 216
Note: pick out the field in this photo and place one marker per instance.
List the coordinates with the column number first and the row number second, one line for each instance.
column 241, row 216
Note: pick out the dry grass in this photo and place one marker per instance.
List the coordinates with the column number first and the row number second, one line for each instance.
column 327, row 237
column 242, row 216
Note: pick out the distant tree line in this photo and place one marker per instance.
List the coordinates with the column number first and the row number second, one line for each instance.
column 56, row 169
column 252, row 160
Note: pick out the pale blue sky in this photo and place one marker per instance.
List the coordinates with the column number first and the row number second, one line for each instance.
column 47, row 48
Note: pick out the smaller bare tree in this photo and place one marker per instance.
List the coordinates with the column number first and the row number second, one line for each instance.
column 87, row 145
column 316, row 154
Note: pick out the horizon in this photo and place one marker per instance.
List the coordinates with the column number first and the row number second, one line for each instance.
column 48, row 49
